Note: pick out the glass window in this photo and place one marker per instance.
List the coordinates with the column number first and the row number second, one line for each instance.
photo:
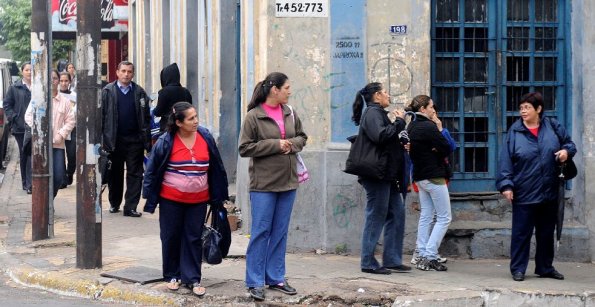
column 476, row 129
column 476, row 69
column 545, row 39
column 448, row 99
column 447, row 10
column 475, row 11
column 476, row 99
column 549, row 96
column 447, row 69
column 545, row 69
column 476, row 40
column 545, row 10
column 517, row 68
column 518, row 38
column 518, row 10
column 447, row 40
column 476, row 159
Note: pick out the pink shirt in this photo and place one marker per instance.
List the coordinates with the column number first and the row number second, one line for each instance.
column 276, row 113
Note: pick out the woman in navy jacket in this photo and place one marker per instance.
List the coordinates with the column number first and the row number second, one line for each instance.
column 528, row 178
column 184, row 174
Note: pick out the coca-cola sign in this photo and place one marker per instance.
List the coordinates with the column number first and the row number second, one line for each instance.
column 67, row 11
column 64, row 13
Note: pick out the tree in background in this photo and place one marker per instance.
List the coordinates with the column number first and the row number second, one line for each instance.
column 15, row 31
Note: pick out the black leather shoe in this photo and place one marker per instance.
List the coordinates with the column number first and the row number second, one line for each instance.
column 113, row 209
column 29, row 191
column 553, row 274
column 257, row 293
column 286, row 288
column 380, row 270
column 518, row 276
column 399, row 268
column 132, row 213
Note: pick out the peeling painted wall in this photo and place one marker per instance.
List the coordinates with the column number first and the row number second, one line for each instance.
column 583, row 94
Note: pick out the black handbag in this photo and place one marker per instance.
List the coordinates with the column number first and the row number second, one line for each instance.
column 105, row 166
column 568, row 169
column 216, row 238
column 365, row 161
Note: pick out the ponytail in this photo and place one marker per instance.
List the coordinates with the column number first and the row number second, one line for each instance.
column 418, row 102
column 365, row 95
column 263, row 88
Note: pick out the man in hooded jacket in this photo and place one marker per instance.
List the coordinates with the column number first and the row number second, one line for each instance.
column 172, row 91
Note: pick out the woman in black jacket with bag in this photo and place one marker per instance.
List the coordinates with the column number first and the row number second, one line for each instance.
column 381, row 176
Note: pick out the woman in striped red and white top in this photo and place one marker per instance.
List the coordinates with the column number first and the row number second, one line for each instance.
column 184, row 174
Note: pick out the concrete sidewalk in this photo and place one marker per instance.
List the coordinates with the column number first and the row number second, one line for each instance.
column 133, row 243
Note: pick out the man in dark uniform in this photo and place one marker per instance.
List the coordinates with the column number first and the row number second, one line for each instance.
column 126, row 136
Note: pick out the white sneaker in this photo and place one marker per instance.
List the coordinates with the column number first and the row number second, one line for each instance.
column 415, row 259
column 441, row 260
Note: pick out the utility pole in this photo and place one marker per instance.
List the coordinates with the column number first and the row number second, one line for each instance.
column 41, row 95
column 88, row 136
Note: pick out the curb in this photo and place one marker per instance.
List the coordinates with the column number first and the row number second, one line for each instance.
column 57, row 283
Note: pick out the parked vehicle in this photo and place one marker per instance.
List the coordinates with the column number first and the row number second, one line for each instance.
column 8, row 68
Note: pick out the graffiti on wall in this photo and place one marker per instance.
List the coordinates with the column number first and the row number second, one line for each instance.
column 348, row 64
column 390, row 68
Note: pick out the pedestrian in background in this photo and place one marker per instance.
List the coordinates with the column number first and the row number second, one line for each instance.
column 528, row 178
column 126, row 136
column 70, row 143
column 63, row 121
column 184, row 174
column 172, row 91
column 271, row 136
column 385, row 210
column 15, row 104
column 429, row 152
column 73, row 80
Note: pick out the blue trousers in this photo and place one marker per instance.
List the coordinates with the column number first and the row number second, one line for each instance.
column 384, row 210
column 181, row 244
column 265, row 257
column 59, row 167
column 526, row 218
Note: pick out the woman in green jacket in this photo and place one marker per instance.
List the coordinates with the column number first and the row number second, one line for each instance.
column 271, row 136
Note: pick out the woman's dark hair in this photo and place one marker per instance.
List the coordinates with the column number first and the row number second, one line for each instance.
column 535, row 99
column 25, row 64
column 65, row 73
column 55, row 71
column 418, row 102
column 365, row 95
column 178, row 113
column 263, row 88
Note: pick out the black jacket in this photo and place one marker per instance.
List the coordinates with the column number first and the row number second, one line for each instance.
column 428, row 149
column 109, row 111
column 172, row 91
column 377, row 130
column 16, row 102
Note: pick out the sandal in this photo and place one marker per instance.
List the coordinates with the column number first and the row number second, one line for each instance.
column 173, row 284
column 198, row 290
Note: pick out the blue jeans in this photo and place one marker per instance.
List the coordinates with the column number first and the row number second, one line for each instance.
column 59, row 168
column 265, row 257
column 384, row 209
column 433, row 199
